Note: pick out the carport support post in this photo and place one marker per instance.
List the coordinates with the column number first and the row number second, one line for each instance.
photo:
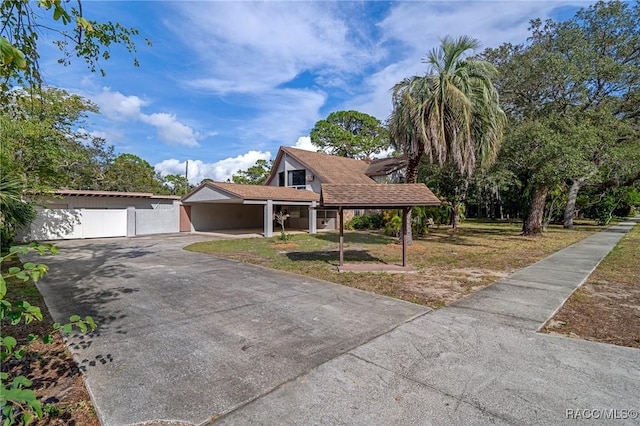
column 268, row 219
column 341, row 214
column 313, row 218
column 405, row 210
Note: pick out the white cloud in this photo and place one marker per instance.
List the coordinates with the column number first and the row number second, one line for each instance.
column 414, row 28
column 171, row 130
column 262, row 45
column 491, row 22
column 219, row 171
column 376, row 99
column 304, row 142
column 120, row 107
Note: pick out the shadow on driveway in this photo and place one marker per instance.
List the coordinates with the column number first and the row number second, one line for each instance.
column 184, row 336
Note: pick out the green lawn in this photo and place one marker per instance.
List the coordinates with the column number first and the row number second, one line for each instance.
column 451, row 263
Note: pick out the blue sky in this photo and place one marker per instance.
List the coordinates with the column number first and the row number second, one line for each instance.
column 227, row 83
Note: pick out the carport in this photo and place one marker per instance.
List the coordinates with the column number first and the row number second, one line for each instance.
column 384, row 197
column 218, row 206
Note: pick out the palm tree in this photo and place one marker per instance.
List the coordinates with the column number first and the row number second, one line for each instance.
column 14, row 211
column 451, row 114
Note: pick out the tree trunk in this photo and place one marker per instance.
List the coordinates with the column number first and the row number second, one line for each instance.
column 455, row 215
column 533, row 223
column 412, row 169
column 411, row 177
column 547, row 219
column 570, row 209
column 457, row 203
column 409, row 230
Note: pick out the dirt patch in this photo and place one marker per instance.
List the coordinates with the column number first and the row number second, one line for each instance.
column 439, row 287
column 602, row 311
column 607, row 307
column 56, row 378
column 57, row 382
column 284, row 246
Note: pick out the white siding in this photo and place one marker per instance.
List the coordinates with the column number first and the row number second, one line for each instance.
column 207, row 193
column 287, row 163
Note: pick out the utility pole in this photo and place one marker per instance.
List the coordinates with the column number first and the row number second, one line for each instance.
column 186, row 177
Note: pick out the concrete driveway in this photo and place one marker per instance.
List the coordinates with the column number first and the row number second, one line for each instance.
column 186, row 337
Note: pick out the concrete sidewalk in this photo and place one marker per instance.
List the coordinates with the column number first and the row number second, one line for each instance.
column 478, row 361
column 534, row 294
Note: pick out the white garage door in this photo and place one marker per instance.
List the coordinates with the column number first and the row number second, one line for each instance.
column 63, row 224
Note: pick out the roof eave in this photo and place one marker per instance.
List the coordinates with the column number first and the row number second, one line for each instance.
column 274, row 169
column 379, row 206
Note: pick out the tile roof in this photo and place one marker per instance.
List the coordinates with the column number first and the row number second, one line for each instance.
column 326, row 167
column 260, row 192
column 87, row 193
column 385, row 166
column 378, row 196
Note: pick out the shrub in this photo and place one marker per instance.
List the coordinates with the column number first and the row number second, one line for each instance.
column 366, row 221
column 393, row 226
column 284, row 236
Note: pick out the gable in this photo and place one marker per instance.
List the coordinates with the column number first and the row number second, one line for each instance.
column 326, row 168
column 207, row 193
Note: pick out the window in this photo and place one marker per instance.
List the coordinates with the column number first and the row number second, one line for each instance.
column 297, row 178
column 281, row 179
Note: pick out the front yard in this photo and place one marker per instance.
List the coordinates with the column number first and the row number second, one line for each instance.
column 451, row 263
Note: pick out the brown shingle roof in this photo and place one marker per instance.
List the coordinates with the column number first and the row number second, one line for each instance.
column 385, row 166
column 326, row 167
column 260, row 192
column 378, row 196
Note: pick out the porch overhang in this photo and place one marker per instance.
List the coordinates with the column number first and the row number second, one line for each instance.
column 376, row 196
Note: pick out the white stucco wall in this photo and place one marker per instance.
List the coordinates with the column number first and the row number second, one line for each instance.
column 158, row 221
column 63, row 224
column 73, row 217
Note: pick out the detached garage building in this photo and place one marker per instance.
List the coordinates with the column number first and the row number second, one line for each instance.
column 71, row 214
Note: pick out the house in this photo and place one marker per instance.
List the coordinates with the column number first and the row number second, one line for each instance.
column 293, row 186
